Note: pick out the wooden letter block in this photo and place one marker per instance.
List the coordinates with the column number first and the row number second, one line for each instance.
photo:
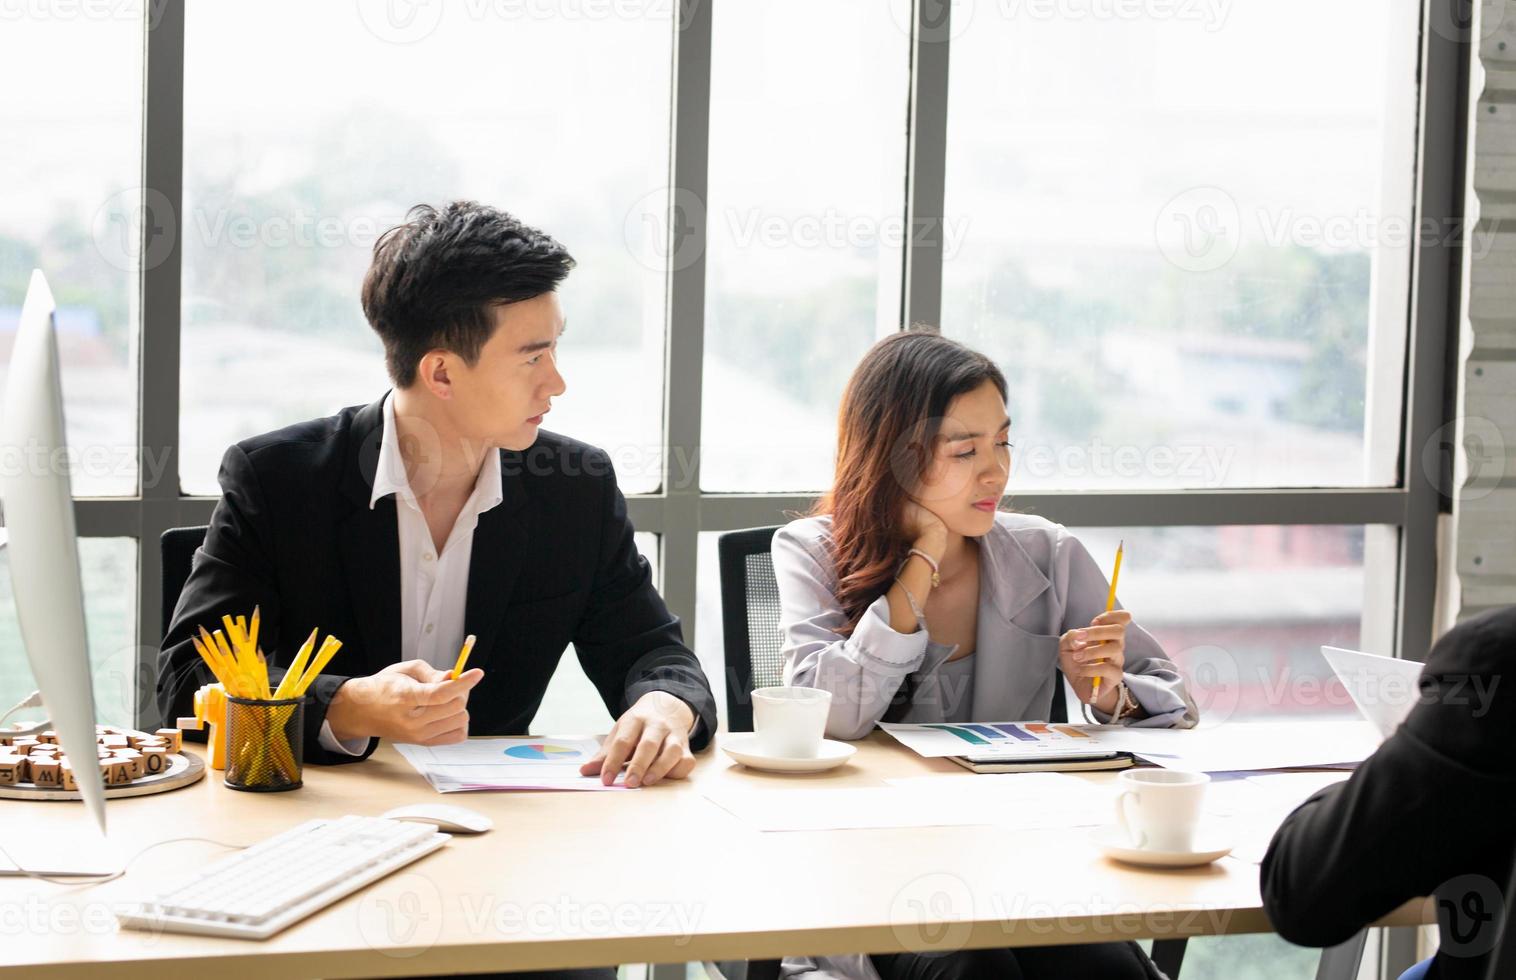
column 68, row 777
column 154, row 760
column 172, row 737
column 49, row 737
column 114, row 772
column 24, row 746
column 47, row 773
column 113, row 741
column 10, row 769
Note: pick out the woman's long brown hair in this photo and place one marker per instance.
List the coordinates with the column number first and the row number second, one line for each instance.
column 890, row 417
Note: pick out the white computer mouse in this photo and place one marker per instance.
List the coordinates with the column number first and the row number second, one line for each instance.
column 448, row 819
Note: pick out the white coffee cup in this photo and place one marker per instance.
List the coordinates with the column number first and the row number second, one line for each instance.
column 1159, row 809
column 790, row 721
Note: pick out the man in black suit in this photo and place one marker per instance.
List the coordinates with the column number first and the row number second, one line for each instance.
column 442, row 510
column 1432, row 812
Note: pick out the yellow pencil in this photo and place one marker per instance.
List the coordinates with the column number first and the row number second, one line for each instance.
column 292, row 676
column 468, row 646
column 230, row 671
column 1110, row 603
column 216, row 669
column 328, row 650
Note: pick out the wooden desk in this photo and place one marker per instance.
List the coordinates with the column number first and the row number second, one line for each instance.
column 580, row 879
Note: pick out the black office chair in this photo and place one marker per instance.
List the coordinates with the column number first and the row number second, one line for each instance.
column 749, row 621
column 177, row 546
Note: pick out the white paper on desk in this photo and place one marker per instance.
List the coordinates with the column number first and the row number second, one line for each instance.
column 1385, row 689
column 512, row 763
column 1249, row 746
column 1261, row 803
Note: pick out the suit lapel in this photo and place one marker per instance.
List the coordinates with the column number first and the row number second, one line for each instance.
column 500, row 542
column 1008, row 574
column 369, row 540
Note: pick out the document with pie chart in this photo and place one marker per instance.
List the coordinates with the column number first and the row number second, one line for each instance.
column 516, row 763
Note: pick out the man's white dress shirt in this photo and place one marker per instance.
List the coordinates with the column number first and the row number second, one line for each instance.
column 433, row 585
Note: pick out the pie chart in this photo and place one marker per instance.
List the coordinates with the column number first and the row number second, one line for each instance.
column 543, row 752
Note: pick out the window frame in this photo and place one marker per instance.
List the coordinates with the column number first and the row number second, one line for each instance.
column 680, row 510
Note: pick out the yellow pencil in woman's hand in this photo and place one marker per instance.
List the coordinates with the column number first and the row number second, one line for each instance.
column 1110, row 603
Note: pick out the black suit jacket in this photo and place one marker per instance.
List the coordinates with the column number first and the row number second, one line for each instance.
column 1433, row 806
column 553, row 563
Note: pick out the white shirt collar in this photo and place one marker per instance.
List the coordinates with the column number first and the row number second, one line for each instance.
column 389, row 474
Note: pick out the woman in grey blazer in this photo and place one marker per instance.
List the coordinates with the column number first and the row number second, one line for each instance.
column 911, row 597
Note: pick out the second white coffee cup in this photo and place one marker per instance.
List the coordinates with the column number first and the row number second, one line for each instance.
column 1159, row 809
column 790, row 721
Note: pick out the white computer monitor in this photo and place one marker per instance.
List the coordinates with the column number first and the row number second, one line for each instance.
column 44, row 553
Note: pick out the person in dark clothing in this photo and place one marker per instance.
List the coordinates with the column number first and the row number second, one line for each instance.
column 1432, row 812
column 443, row 510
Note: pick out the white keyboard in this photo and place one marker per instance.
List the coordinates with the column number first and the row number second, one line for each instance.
column 277, row 882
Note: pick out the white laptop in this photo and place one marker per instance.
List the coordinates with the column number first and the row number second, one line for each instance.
column 1384, row 689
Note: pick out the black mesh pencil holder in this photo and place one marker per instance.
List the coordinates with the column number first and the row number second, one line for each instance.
column 265, row 744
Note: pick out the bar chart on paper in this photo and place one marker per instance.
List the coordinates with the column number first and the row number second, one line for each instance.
column 1002, row 739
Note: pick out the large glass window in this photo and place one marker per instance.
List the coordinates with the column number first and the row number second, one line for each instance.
column 805, row 229
column 302, row 144
column 1245, row 609
column 72, row 172
column 1192, row 263
column 108, row 568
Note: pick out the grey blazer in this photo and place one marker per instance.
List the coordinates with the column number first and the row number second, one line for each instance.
column 1036, row 582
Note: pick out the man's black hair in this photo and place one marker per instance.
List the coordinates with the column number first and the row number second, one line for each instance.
column 436, row 280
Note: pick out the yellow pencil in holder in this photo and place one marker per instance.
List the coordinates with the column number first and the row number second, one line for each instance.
column 265, row 743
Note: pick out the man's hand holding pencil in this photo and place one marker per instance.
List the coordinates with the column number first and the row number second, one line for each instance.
column 410, row 701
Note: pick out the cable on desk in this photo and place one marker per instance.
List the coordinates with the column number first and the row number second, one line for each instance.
column 92, row 880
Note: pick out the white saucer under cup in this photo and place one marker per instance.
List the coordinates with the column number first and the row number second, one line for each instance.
column 789, row 722
column 1159, row 809
column 743, row 746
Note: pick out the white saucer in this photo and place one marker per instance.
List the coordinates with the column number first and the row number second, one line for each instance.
column 1209, row 847
column 743, row 747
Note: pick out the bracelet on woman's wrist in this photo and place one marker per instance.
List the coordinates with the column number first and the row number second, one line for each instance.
column 936, row 571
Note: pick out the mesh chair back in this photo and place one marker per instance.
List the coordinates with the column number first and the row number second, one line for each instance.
column 177, row 546
column 750, row 621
